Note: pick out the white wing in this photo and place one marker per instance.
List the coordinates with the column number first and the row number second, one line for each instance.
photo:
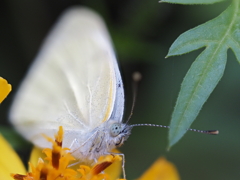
column 74, row 82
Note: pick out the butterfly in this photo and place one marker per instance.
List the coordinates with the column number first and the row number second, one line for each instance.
column 74, row 82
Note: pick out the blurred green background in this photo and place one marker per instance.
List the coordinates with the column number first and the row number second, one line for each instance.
column 142, row 32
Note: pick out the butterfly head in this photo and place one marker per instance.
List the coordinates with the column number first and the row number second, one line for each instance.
column 120, row 132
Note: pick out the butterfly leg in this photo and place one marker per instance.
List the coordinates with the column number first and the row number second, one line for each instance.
column 123, row 163
column 74, row 148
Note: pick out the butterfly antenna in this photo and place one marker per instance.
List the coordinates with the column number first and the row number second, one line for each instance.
column 212, row 132
column 136, row 78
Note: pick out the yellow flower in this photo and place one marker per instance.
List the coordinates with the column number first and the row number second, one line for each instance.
column 161, row 169
column 5, row 89
column 9, row 161
column 7, row 155
column 55, row 165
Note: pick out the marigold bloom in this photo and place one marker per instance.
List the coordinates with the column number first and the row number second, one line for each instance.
column 55, row 165
column 56, row 161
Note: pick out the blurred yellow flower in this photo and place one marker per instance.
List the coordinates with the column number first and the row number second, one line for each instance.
column 162, row 170
column 9, row 161
column 7, row 154
column 5, row 89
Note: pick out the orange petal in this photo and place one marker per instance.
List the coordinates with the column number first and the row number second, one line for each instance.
column 114, row 171
column 161, row 169
column 5, row 89
column 9, row 161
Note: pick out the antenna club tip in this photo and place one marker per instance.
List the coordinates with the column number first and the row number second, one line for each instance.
column 137, row 76
column 214, row 132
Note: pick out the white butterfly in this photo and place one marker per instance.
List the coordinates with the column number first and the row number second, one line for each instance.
column 74, row 82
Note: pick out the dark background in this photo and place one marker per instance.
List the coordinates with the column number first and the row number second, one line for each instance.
column 142, row 32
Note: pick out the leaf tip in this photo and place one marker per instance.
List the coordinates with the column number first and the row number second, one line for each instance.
column 161, row 1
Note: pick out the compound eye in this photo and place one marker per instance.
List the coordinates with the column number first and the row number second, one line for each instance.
column 115, row 129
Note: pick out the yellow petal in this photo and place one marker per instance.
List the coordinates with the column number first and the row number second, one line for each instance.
column 161, row 169
column 5, row 89
column 35, row 155
column 114, row 171
column 9, row 161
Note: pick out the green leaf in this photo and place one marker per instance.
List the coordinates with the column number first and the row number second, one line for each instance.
column 217, row 36
column 192, row 1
